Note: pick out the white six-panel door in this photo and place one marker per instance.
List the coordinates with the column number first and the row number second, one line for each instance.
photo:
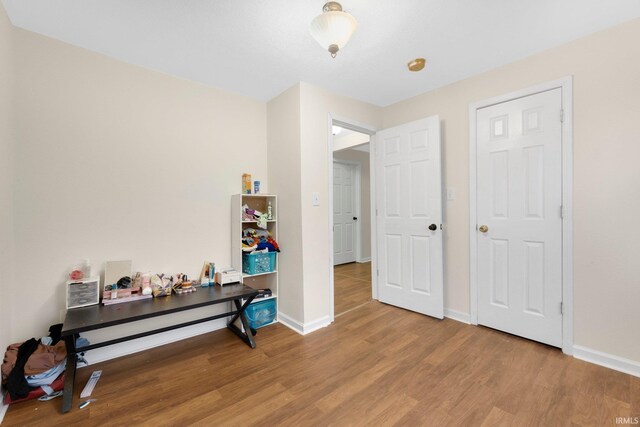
column 519, row 198
column 409, row 202
column 344, row 212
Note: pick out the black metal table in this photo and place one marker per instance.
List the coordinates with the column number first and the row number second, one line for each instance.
column 95, row 317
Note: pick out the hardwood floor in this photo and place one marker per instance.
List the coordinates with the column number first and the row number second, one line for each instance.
column 376, row 365
column 352, row 286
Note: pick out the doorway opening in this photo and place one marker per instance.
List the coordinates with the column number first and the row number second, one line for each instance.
column 351, row 219
column 351, row 207
column 406, row 229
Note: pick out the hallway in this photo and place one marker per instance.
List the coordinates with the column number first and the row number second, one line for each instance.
column 352, row 284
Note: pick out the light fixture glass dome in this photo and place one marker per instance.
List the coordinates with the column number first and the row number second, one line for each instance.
column 333, row 29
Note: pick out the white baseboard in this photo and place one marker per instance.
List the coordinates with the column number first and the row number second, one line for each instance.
column 291, row 323
column 610, row 361
column 303, row 328
column 317, row 324
column 141, row 344
column 457, row 315
column 3, row 411
column 367, row 259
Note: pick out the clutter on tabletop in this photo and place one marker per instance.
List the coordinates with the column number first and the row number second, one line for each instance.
column 228, row 276
column 80, row 270
column 116, row 270
column 207, row 274
column 124, row 290
column 182, row 284
column 123, row 286
column 246, row 183
column 162, row 285
column 82, row 292
column 148, row 285
column 143, row 281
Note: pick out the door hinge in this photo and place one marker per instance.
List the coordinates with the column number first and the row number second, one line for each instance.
column 561, row 308
column 376, row 211
column 377, row 272
column 561, row 211
column 562, row 115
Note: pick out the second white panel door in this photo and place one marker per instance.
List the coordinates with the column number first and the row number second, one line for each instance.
column 344, row 213
column 519, row 236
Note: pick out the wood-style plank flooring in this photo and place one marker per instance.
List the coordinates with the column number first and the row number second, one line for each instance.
column 375, row 366
column 352, row 286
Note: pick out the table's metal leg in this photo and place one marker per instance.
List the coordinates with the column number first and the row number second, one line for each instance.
column 70, row 373
column 247, row 336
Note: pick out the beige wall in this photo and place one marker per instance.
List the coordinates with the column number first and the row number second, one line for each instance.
column 298, row 166
column 283, row 158
column 7, row 142
column 361, row 158
column 315, row 106
column 606, row 71
column 118, row 162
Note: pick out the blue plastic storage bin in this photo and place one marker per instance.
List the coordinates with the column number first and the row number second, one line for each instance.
column 256, row 263
column 261, row 313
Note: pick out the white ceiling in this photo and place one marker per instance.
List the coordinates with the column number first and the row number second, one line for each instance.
column 260, row 48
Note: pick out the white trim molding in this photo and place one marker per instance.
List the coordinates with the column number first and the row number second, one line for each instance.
column 313, row 326
column 291, row 323
column 3, row 410
column 303, row 328
column 458, row 316
column 134, row 346
column 607, row 360
column 366, row 259
column 566, row 85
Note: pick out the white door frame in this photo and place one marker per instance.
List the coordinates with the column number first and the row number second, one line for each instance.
column 357, row 204
column 566, row 85
column 334, row 119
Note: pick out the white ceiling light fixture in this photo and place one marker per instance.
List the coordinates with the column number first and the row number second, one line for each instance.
column 333, row 29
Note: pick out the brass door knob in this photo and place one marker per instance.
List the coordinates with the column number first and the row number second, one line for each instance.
column 483, row 228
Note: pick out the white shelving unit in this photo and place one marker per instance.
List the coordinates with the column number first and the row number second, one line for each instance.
column 258, row 202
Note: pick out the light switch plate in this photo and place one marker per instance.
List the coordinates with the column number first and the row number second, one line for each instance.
column 451, row 193
column 315, row 199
